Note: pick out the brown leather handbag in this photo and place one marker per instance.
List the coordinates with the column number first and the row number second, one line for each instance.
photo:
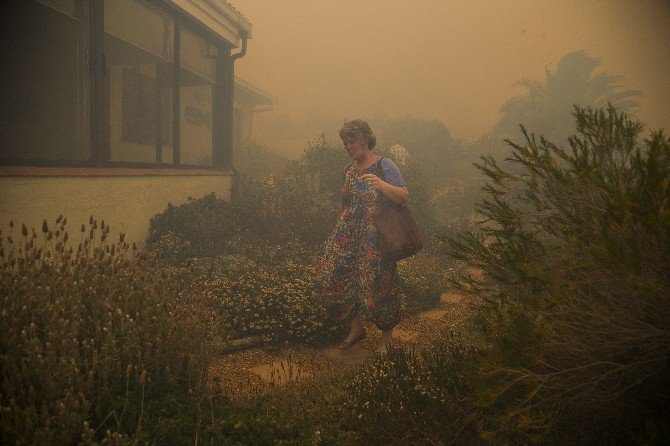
column 398, row 234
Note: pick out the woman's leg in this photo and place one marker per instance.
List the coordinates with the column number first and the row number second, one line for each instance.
column 385, row 343
column 356, row 328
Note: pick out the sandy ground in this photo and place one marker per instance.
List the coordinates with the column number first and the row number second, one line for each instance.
column 251, row 373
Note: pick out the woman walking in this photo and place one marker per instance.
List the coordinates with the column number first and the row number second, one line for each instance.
column 356, row 280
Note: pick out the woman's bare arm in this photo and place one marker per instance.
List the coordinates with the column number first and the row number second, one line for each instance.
column 394, row 193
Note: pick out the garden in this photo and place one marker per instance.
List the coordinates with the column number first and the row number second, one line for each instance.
column 563, row 256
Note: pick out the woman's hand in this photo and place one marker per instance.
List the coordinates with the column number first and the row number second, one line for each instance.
column 373, row 181
column 394, row 193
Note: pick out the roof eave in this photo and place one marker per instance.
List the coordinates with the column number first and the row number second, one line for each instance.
column 219, row 16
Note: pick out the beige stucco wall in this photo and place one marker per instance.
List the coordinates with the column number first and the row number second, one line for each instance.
column 125, row 203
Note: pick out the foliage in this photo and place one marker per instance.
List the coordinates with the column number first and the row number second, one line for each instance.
column 454, row 207
column 308, row 412
column 323, row 158
column 95, row 337
column 251, row 424
column 422, row 279
column 275, row 209
column 266, row 210
column 198, row 228
column 575, row 255
column 417, row 398
column 253, row 160
column 273, row 295
column 428, row 143
column 546, row 106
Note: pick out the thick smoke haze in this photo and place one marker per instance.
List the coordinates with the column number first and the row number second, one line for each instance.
column 455, row 61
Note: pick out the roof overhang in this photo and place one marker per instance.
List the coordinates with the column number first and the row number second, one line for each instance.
column 248, row 93
column 219, row 16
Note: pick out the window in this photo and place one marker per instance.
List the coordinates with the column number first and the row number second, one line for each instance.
column 139, row 43
column 111, row 83
column 45, row 82
column 196, row 92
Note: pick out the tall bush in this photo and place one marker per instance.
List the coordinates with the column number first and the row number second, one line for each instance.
column 576, row 259
column 275, row 209
column 198, row 228
column 328, row 161
column 418, row 398
column 270, row 291
column 98, row 340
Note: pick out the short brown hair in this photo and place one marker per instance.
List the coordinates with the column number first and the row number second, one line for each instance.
column 360, row 130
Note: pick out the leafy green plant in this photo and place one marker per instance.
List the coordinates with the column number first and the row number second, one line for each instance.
column 275, row 209
column 253, row 160
column 429, row 144
column 328, row 161
column 575, row 255
column 417, row 398
column 271, row 292
column 422, row 279
column 199, row 228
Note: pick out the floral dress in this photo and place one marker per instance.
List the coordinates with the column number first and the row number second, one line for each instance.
column 353, row 274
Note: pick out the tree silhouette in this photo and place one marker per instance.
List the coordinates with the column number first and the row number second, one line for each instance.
column 547, row 107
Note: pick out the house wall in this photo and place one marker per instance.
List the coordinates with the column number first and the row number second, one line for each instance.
column 127, row 203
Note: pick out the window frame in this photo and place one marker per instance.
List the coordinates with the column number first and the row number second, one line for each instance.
column 99, row 100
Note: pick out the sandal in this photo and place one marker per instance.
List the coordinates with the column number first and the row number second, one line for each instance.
column 346, row 345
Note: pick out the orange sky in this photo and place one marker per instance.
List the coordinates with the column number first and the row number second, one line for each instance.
column 453, row 60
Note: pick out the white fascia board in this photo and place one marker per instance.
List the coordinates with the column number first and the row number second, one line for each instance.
column 217, row 15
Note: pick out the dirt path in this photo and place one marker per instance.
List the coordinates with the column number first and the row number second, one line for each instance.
column 253, row 372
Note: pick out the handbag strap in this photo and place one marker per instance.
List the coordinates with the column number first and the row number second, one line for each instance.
column 382, row 200
column 379, row 171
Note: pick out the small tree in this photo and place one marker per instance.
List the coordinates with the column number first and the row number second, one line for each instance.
column 575, row 251
column 328, row 161
column 546, row 105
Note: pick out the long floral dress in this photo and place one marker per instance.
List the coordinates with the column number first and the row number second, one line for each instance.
column 353, row 274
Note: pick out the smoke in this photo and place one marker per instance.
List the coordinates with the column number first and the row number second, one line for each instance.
column 454, row 61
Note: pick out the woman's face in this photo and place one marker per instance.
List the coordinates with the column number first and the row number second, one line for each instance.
column 355, row 149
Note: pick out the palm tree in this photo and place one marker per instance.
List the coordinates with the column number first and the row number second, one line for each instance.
column 547, row 108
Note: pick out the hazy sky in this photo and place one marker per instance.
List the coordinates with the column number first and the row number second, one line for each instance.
column 452, row 60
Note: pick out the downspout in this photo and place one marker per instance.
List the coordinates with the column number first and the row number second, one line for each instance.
column 243, row 51
column 244, row 34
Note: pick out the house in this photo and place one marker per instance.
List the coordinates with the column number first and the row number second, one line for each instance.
column 249, row 100
column 115, row 108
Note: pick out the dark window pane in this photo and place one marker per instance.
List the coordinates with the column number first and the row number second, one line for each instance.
column 44, row 80
column 198, row 71
column 139, row 40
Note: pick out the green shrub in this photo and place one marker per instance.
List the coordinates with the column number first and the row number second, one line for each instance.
column 454, row 207
column 267, row 210
column 199, row 228
column 270, row 291
column 575, row 255
column 328, row 161
column 93, row 335
column 253, row 160
column 422, row 279
column 275, row 209
column 417, row 398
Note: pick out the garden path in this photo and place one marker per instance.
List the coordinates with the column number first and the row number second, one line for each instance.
column 250, row 373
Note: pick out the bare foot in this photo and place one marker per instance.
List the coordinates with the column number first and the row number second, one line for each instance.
column 383, row 348
column 352, row 339
column 354, row 333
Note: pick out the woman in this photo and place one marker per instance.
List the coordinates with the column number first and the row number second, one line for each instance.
column 355, row 278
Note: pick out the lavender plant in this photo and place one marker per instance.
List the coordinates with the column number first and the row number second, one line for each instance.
column 92, row 333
